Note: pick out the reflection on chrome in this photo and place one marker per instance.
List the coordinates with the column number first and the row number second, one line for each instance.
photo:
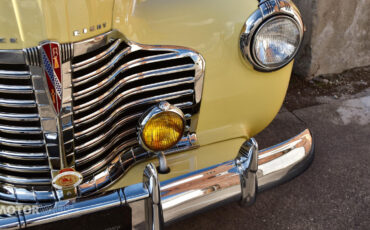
column 284, row 161
column 193, row 192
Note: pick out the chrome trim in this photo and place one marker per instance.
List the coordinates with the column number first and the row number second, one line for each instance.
column 94, row 43
column 188, row 194
column 127, row 159
column 22, row 156
column 210, row 187
column 66, row 125
column 95, row 154
column 119, row 110
column 24, row 168
column 161, row 107
column 98, row 72
column 91, row 76
column 17, row 103
column 19, row 116
column 118, row 161
column 267, row 9
column 93, row 129
column 9, row 74
column 130, row 92
column 48, row 120
column 104, row 39
column 21, row 143
column 12, row 57
column 65, row 209
column 32, row 56
column 97, row 140
column 104, row 105
column 153, row 205
column 128, row 79
column 284, row 161
column 92, row 169
column 66, row 51
column 57, row 128
column 20, row 129
column 88, row 62
column 16, row 89
column 247, row 165
column 23, row 181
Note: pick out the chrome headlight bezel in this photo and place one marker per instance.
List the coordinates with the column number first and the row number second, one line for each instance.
column 268, row 11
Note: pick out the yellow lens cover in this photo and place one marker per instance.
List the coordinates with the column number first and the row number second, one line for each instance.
column 163, row 131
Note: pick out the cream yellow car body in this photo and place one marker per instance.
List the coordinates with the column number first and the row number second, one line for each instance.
column 238, row 101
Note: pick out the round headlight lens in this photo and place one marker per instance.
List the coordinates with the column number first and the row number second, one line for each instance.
column 276, row 42
column 163, row 131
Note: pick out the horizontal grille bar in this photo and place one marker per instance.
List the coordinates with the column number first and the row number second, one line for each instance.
column 97, row 127
column 24, row 168
column 125, row 67
column 17, row 103
column 24, row 180
column 20, row 129
column 9, row 74
column 129, row 79
column 101, row 70
column 19, row 117
column 95, row 167
column 21, row 143
column 28, row 156
column 12, row 57
column 107, row 145
column 16, row 89
column 133, row 91
column 95, row 59
column 93, row 142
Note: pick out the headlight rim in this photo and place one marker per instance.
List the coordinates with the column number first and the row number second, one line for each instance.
column 268, row 10
column 253, row 42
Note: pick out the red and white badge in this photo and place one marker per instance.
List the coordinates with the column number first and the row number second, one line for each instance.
column 67, row 178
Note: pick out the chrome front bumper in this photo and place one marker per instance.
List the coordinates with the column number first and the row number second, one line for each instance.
column 236, row 180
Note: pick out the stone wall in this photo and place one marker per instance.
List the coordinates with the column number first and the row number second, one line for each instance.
column 337, row 36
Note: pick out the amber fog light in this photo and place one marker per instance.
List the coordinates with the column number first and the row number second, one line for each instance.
column 161, row 127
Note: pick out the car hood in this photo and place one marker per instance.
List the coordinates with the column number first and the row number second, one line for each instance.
column 26, row 23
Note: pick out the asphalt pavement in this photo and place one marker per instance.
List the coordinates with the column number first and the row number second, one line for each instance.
column 333, row 193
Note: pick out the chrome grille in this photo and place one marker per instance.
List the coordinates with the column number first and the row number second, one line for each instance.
column 23, row 161
column 111, row 82
column 113, row 85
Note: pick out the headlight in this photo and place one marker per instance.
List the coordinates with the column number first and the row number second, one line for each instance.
column 276, row 42
column 161, row 127
column 271, row 39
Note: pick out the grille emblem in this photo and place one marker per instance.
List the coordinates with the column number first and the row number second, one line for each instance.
column 51, row 59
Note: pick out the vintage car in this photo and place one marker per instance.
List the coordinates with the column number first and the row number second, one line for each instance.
column 129, row 113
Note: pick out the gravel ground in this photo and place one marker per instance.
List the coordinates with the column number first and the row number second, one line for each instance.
column 303, row 93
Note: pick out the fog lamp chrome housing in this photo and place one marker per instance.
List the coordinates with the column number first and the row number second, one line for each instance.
column 272, row 35
column 161, row 127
